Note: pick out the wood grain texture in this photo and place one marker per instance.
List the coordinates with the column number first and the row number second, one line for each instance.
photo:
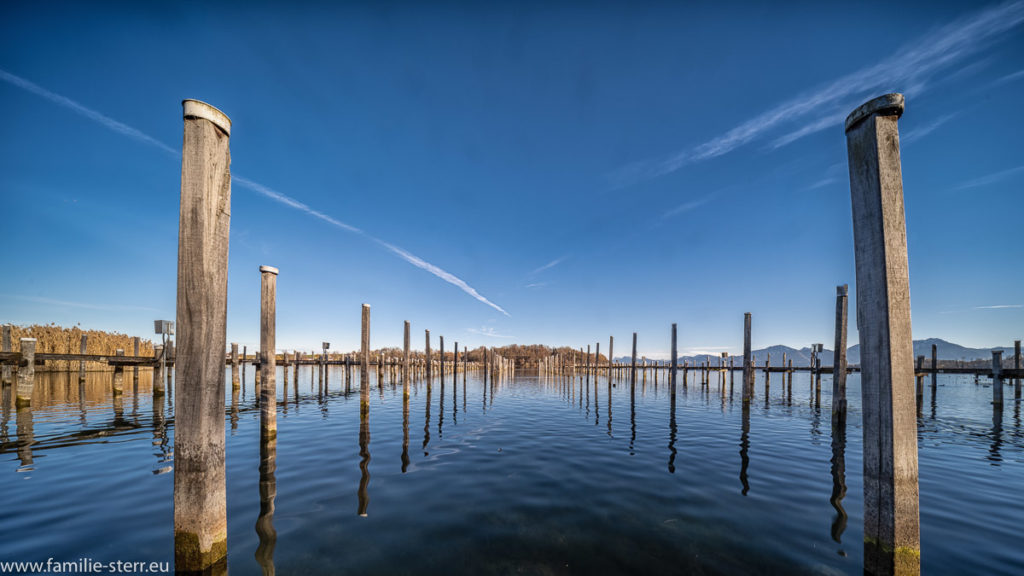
column 839, row 363
column 200, row 512
column 268, row 357
column 891, row 513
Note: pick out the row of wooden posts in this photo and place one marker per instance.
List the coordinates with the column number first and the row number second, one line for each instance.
column 891, row 516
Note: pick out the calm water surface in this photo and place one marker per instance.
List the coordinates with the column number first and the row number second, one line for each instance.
column 533, row 474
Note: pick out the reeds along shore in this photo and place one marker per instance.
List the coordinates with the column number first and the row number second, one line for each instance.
column 53, row 339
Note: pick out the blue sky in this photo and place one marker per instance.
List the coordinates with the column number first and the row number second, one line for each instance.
column 513, row 173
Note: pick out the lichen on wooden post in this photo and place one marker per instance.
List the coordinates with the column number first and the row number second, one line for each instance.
column 891, row 513
column 200, row 506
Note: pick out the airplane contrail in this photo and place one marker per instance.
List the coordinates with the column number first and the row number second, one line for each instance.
column 265, row 191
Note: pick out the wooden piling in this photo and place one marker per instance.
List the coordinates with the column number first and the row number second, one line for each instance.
column 364, row 362
column 234, row 365
column 891, row 513
column 997, row 379
column 839, row 359
column 440, row 367
column 135, row 370
column 200, row 512
column 632, row 364
column 405, row 362
column 748, row 361
column 675, row 363
column 1016, row 366
column 268, row 357
column 26, row 373
column 5, row 371
column 81, row 363
column 455, row 364
column 118, row 375
column 935, row 366
column 428, row 361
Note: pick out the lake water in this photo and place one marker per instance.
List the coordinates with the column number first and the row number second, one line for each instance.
column 531, row 474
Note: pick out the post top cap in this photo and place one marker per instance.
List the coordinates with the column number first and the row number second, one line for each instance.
column 199, row 109
column 889, row 103
column 842, row 290
column 366, row 305
column 269, row 269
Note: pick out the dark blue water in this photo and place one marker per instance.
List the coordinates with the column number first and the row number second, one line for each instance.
column 536, row 475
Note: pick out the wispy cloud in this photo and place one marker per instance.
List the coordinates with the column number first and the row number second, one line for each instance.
column 488, row 331
column 908, row 69
column 915, row 134
column 687, row 206
column 87, row 112
column 1008, row 78
column 243, row 182
column 86, row 305
column 549, row 265
column 536, row 284
column 990, row 178
column 999, row 306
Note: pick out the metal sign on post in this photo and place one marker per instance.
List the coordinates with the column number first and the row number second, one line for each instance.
column 165, row 327
column 327, row 345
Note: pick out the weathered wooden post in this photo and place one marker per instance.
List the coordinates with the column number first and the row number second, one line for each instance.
column 839, row 360
column 611, row 357
column 428, row 361
column 268, row 357
column 935, row 367
column 364, row 363
column 919, row 380
column 748, row 361
column 5, row 374
column 81, row 363
column 997, row 379
column 118, row 374
column 26, row 373
column 405, row 363
column 455, row 364
column 441, row 360
column 632, row 364
column 1016, row 366
column 135, row 370
column 675, row 364
column 200, row 510
column 234, row 365
column 891, row 514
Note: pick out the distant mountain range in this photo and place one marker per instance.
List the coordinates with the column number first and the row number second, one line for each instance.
column 802, row 357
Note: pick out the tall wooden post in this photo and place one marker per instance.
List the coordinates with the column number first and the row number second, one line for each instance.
column 748, row 361
column 839, row 359
column 1016, row 366
column 611, row 357
column 405, row 362
column 455, row 364
column 364, row 362
column 891, row 514
column 441, row 361
column 200, row 511
column 428, row 361
column 135, row 371
column 675, row 363
column 935, row 366
column 632, row 364
column 26, row 373
column 118, row 374
column 997, row 380
column 268, row 356
column 234, row 365
column 81, row 363
column 5, row 375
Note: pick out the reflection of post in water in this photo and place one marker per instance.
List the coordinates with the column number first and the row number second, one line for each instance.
column 994, row 454
column 234, row 408
column 426, row 425
column 672, row 434
column 632, row 418
column 268, row 492
column 5, row 413
column 838, row 481
column 440, row 411
column 744, row 446
column 609, row 417
column 25, row 435
column 405, row 432
column 364, row 462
